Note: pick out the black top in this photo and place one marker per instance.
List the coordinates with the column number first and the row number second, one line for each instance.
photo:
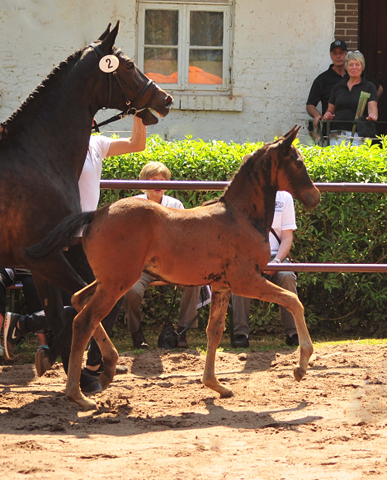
column 322, row 88
column 346, row 101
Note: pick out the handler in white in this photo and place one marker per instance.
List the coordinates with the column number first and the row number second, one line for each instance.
column 284, row 222
column 101, row 147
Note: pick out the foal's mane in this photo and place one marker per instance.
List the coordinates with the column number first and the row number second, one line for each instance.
column 244, row 169
column 52, row 80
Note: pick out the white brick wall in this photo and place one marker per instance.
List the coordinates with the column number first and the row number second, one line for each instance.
column 279, row 47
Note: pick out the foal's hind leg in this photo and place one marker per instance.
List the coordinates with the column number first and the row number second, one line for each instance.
column 109, row 355
column 108, row 350
column 215, row 328
column 81, row 298
column 85, row 323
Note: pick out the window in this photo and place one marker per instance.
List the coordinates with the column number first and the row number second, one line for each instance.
column 186, row 46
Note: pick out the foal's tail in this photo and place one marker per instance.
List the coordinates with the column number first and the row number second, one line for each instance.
column 60, row 237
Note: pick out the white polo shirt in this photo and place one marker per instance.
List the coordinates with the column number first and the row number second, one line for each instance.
column 284, row 218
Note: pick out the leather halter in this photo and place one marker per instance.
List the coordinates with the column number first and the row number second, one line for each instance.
column 132, row 110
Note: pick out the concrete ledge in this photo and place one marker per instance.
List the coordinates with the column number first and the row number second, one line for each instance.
column 223, row 103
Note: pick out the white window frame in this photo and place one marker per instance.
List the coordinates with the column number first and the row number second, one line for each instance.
column 184, row 8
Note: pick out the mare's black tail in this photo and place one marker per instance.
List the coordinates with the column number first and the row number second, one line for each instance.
column 60, row 237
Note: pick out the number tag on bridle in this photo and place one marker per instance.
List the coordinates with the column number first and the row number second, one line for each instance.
column 109, row 63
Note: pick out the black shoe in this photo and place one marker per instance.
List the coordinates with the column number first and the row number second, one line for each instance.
column 182, row 339
column 292, row 340
column 12, row 335
column 139, row 340
column 120, row 370
column 89, row 384
column 240, row 341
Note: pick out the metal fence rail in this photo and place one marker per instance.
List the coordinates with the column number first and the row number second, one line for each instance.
column 330, row 267
column 295, row 267
column 203, row 185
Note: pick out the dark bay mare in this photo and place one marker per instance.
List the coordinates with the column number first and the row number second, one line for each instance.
column 225, row 244
column 43, row 146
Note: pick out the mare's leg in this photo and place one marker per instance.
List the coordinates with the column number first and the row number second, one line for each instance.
column 48, row 275
column 61, row 344
column 61, row 318
column 215, row 328
column 260, row 288
column 51, row 298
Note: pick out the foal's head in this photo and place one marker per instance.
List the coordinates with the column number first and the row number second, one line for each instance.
column 288, row 171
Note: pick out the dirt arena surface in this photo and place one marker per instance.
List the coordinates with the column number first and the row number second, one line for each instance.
column 158, row 421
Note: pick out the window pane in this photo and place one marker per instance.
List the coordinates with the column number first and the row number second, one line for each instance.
column 206, row 66
column 160, row 64
column 206, row 29
column 161, row 27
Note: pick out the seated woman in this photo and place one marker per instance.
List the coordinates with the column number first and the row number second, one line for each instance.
column 344, row 100
column 134, row 297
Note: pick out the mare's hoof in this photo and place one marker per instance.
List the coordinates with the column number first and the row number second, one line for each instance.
column 42, row 361
column 299, row 373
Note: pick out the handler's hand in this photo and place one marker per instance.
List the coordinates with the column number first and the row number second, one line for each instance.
column 271, row 272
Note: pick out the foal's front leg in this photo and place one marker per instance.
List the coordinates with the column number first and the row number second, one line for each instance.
column 215, row 328
column 262, row 289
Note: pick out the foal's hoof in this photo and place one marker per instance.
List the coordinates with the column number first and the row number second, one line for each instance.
column 223, row 391
column 105, row 380
column 82, row 401
column 226, row 393
column 299, row 373
column 42, row 361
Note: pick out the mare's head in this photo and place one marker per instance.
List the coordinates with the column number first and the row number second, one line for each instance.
column 119, row 84
column 288, row 171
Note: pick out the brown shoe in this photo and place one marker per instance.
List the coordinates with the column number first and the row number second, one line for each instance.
column 139, row 340
column 182, row 340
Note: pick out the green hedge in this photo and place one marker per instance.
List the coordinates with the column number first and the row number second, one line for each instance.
column 344, row 228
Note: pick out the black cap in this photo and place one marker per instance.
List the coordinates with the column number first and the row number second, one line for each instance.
column 340, row 44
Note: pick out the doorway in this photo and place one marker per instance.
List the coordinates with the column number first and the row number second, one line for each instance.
column 373, row 45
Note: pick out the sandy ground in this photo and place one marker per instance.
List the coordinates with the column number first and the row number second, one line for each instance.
column 159, row 422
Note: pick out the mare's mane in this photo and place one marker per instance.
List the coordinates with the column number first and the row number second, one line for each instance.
column 53, row 79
